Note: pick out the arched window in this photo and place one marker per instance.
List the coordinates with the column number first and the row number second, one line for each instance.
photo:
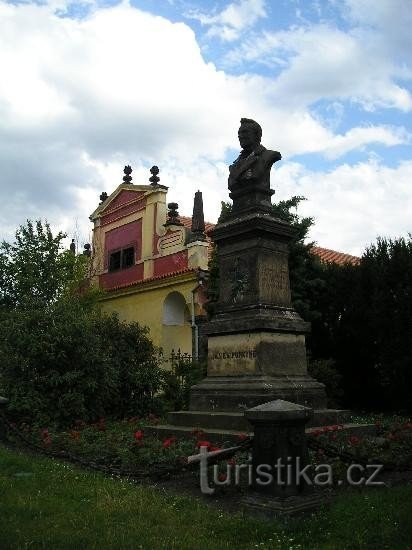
column 174, row 309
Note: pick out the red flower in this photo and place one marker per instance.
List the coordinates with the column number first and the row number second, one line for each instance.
column 222, row 477
column 138, row 435
column 169, row 441
column 214, row 448
column 353, row 440
column 203, row 444
column 242, row 437
column 231, row 461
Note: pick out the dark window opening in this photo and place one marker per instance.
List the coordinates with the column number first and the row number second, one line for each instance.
column 121, row 259
column 114, row 262
column 127, row 257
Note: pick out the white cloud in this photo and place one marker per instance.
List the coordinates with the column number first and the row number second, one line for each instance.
column 324, row 62
column 234, row 18
column 352, row 205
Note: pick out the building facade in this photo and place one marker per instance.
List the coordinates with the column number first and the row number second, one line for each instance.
column 150, row 265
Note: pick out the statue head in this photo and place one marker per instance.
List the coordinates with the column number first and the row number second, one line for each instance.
column 250, row 134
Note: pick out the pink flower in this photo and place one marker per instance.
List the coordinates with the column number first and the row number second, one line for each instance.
column 353, row 440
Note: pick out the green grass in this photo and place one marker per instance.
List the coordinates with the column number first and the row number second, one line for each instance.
column 49, row 504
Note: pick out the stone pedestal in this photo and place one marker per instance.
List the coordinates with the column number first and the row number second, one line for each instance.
column 256, row 340
column 279, row 444
column 279, row 456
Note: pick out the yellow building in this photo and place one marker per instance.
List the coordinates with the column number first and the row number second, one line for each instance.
column 151, row 266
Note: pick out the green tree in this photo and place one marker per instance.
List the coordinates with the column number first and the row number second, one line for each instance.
column 61, row 358
column 35, row 270
column 373, row 326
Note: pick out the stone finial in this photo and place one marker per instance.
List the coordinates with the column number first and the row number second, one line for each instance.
column 127, row 178
column 173, row 214
column 73, row 247
column 154, row 179
column 198, row 219
column 103, row 197
column 87, row 250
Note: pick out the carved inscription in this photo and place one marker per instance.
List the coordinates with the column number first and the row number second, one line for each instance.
column 275, row 277
column 274, row 282
column 248, row 354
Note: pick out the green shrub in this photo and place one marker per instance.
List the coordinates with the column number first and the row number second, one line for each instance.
column 183, row 375
column 67, row 361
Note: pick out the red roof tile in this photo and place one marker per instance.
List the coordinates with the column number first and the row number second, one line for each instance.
column 327, row 255
column 149, row 279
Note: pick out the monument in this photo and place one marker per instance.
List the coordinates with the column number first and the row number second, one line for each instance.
column 256, row 340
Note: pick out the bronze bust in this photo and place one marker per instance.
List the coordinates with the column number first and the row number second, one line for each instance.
column 252, row 167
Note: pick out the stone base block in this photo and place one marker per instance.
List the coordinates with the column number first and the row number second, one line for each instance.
column 269, row 507
column 257, row 353
column 237, row 393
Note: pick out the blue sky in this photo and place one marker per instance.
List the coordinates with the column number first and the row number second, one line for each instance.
column 88, row 87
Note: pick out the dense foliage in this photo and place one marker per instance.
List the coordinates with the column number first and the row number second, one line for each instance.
column 35, row 270
column 60, row 358
column 366, row 325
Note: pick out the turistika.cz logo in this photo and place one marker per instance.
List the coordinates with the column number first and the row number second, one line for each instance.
column 285, row 472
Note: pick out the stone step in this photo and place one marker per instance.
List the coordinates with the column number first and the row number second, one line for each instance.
column 232, row 436
column 237, row 422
